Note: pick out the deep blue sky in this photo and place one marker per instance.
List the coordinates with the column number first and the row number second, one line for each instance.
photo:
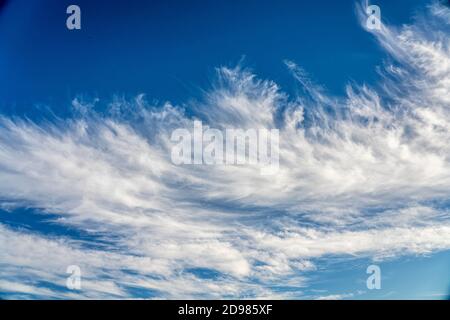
column 168, row 49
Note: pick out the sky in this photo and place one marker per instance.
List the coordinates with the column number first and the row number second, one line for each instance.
column 86, row 176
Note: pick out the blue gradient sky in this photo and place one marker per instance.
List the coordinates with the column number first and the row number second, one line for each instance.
column 169, row 50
